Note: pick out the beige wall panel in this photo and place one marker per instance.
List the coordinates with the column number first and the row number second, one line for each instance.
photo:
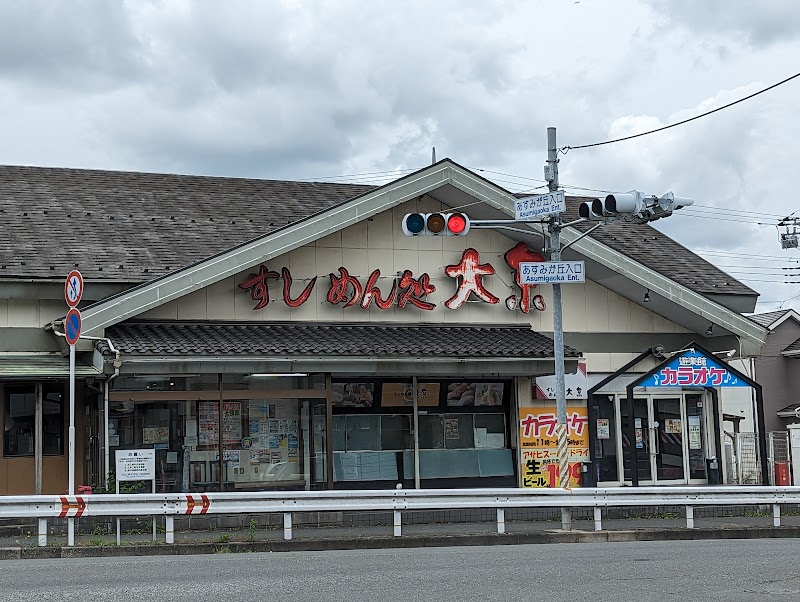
column 331, row 240
column 661, row 324
column 641, row 319
column 598, row 362
column 24, row 312
column 597, row 305
column 168, row 311
column 380, row 231
column 355, row 237
column 193, row 306
column 407, row 260
column 3, row 312
column 51, row 309
column 619, row 313
column 430, row 243
column 220, row 296
column 573, row 298
column 326, row 261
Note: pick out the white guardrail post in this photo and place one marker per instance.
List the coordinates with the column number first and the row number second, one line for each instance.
column 169, row 505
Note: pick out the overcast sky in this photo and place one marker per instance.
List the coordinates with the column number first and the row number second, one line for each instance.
column 318, row 89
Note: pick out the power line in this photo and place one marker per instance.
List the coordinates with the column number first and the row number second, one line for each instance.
column 565, row 149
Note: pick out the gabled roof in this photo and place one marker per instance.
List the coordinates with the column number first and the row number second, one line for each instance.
column 771, row 320
column 357, row 339
column 283, row 216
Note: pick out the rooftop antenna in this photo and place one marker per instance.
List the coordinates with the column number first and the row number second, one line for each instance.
column 433, row 155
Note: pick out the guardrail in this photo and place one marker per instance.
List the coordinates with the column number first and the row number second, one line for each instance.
column 170, row 505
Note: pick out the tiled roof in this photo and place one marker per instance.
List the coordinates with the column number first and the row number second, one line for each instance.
column 793, row 348
column 134, row 227
column 323, row 339
column 769, row 318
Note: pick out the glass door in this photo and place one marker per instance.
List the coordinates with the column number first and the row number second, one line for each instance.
column 668, row 440
column 636, row 453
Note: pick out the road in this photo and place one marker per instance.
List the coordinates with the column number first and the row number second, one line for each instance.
column 638, row 571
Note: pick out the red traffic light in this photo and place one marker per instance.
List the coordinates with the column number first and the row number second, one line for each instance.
column 457, row 224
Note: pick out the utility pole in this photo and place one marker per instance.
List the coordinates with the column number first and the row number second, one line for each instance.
column 558, row 332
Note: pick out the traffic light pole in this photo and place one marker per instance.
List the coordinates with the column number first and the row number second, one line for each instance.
column 558, row 334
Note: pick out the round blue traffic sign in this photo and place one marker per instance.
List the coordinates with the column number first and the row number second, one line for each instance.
column 72, row 326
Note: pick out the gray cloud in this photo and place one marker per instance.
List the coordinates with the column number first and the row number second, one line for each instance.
column 756, row 22
column 70, row 45
column 312, row 89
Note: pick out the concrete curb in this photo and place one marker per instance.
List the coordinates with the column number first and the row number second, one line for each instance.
column 410, row 541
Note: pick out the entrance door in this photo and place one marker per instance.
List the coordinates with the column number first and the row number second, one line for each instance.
column 668, row 445
column 658, row 449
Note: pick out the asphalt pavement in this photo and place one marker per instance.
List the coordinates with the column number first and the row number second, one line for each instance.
column 708, row 571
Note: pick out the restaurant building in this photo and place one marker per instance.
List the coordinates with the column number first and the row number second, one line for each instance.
column 267, row 334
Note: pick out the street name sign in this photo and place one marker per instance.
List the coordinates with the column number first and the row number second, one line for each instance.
column 540, row 204
column 552, row 272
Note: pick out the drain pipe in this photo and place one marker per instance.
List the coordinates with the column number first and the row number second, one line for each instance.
column 117, row 365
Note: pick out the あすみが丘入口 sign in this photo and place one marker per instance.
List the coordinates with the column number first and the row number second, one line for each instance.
column 550, row 272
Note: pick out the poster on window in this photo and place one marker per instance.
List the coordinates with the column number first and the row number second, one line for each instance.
column 451, row 428
column 603, row 428
column 352, row 395
column 231, row 421
column 695, row 438
column 155, row 434
column 207, row 418
column 474, row 394
column 538, row 437
column 402, row 395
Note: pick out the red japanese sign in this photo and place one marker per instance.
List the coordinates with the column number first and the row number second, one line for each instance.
column 406, row 290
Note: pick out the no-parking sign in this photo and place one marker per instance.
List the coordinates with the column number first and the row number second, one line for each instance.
column 72, row 326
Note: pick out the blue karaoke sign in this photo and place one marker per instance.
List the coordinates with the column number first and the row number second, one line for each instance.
column 692, row 368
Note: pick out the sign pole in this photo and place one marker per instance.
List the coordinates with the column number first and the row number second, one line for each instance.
column 73, row 291
column 558, row 334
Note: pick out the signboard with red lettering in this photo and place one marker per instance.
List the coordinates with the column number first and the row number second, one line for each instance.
column 692, row 368
column 467, row 282
column 539, row 445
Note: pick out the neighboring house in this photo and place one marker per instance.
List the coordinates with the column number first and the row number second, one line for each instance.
column 777, row 369
column 266, row 334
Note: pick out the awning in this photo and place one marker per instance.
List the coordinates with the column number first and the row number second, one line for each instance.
column 432, row 349
column 40, row 365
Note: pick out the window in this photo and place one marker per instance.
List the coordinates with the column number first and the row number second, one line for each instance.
column 19, row 420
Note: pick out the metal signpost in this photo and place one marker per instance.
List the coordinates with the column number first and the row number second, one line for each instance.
column 135, row 465
column 73, row 291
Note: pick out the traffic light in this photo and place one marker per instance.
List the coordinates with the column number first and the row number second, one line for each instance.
column 632, row 206
column 435, row 224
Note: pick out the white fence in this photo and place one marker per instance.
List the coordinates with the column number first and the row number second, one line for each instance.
column 171, row 505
